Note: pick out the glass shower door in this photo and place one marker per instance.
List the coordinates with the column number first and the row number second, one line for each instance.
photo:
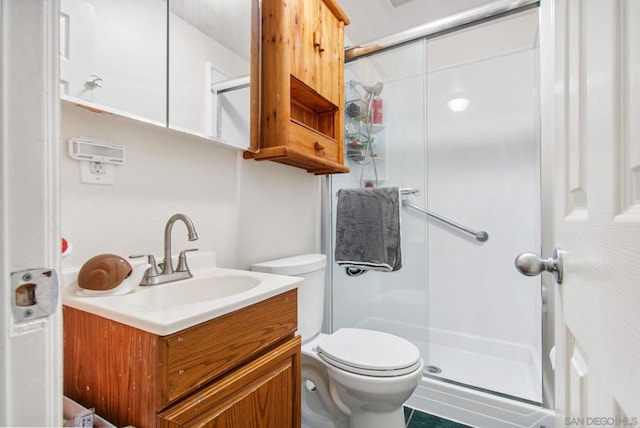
column 395, row 302
column 460, row 124
column 483, row 170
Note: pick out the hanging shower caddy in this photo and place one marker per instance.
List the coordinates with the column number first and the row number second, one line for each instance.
column 359, row 135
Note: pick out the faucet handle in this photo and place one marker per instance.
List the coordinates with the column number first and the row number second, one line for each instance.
column 151, row 271
column 182, row 260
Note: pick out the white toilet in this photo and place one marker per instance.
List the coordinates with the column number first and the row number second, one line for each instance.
column 352, row 378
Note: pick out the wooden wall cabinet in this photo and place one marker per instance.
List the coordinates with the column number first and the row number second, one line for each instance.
column 241, row 369
column 302, row 85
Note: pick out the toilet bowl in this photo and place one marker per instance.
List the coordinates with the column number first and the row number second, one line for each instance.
column 354, row 377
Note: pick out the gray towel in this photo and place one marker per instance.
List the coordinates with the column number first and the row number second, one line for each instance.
column 368, row 229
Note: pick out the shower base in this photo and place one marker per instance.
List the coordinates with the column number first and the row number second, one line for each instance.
column 487, row 366
column 497, row 366
column 507, row 368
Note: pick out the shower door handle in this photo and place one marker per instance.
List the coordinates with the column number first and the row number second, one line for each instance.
column 531, row 264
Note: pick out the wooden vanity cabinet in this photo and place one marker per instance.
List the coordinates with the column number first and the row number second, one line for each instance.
column 302, row 85
column 240, row 369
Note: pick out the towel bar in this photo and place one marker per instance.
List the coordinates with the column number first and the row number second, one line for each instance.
column 406, row 191
column 479, row 235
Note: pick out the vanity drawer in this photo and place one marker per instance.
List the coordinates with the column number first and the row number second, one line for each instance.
column 264, row 392
column 193, row 357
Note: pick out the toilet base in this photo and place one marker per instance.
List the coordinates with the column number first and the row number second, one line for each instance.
column 393, row 419
column 334, row 398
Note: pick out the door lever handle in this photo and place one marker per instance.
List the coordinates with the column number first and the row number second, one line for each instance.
column 531, row 264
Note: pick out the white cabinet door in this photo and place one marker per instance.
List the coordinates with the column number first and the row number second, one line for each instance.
column 591, row 111
column 77, row 48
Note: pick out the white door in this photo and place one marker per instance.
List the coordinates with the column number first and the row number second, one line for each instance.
column 591, row 114
column 30, row 316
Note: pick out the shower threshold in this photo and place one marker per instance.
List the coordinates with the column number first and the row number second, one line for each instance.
column 476, row 408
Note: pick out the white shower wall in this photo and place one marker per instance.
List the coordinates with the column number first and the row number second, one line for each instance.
column 483, row 171
column 461, row 301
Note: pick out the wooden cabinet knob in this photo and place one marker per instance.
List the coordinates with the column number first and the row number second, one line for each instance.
column 317, row 41
column 317, row 146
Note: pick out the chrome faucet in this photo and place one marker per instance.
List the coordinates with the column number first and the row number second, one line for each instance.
column 168, row 274
column 167, row 267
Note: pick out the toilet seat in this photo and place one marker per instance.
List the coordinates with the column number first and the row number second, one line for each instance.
column 369, row 353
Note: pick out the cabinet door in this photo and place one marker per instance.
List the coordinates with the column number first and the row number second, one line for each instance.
column 304, row 55
column 317, row 48
column 263, row 393
column 329, row 55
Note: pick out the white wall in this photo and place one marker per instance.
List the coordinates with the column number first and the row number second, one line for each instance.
column 483, row 172
column 245, row 211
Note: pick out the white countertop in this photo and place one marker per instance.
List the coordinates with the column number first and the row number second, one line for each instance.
column 166, row 319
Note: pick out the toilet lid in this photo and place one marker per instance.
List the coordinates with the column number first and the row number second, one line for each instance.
column 368, row 352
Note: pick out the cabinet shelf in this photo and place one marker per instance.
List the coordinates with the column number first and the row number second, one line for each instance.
column 308, row 97
column 312, row 110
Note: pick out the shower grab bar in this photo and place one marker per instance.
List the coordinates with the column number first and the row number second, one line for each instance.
column 479, row 235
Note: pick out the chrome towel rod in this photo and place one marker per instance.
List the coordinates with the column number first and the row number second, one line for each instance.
column 479, row 235
column 409, row 191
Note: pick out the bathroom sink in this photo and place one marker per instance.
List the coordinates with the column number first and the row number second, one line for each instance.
column 194, row 290
column 167, row 308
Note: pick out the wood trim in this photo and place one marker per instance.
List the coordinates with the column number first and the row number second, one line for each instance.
column 276, row 69
column 300, row 158
column 255, row 77
column 339, row 118
column 337, row 11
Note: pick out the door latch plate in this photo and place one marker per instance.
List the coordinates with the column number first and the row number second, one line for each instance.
column 35, row 293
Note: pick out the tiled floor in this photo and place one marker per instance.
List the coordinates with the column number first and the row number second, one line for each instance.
column 417, row 419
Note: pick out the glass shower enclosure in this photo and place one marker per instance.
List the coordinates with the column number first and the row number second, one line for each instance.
column 459, row 125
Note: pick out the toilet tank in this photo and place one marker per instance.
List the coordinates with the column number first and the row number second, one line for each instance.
column 311, row 267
